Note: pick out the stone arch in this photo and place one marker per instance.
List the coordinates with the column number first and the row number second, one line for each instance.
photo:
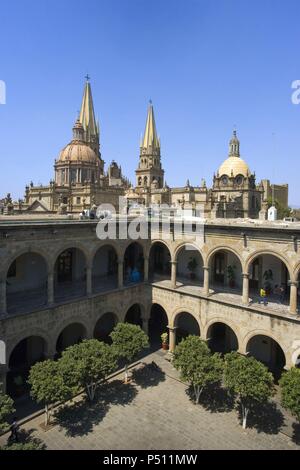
column 26, row 282
column 186, row 323
column 256, row 254
column 296, row 272
column 80, row 332
column 158, row 323
column 39, row 251
column 104, row 325
column 219, row 260
column 73, row 319
column 27, row 351
column 268, row 350
column 187, row 309
column 157, row 240
column 135, row 314
column 185, row 255
column 70, row 272
column 222, row 337
column 72, row 245
column 261, row 262
column 133, row 265
column 253, row 333
column 104, row 243
column 233, row 326
column 10, row 346
column 105, row 267
column 159, row 259
column 294, row 357
column 212, row 252
column 181, row 245
column 130, row 242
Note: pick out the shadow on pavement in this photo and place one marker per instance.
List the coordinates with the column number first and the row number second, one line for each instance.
column 296, row 433
column 265, row 418
column 78, row 419
column 148, row 375
column 25, row 441
column 214, row 399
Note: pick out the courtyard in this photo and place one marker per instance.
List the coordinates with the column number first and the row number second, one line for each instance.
column 154, row 411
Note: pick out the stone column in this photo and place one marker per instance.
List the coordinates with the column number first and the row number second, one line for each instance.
column 293, row 297
column 173, row 273
column 172, row 338
column 89, row 280
column 3, row 297
column 245, row 297
column 146, row 269
column 145, row 325
column 206, row 280
column 50, row 288
column 3, row 372
column 120, row 274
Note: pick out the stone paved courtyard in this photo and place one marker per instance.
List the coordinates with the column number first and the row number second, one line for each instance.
column 154, row 412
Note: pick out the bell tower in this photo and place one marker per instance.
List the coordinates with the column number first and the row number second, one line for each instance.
column 149, row 171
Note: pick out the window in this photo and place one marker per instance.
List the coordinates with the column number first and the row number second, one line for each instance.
column 64, row 266
column 78, row 200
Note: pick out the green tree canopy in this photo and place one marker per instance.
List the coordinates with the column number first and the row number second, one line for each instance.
column 47, row 385
column 6, row 409
column 84, row 365
column 197, row 365
column 290, row 391
column 128, row 340
column 249, row 380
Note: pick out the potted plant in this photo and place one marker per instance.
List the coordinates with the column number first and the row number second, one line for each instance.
column 164, row 340
column 231, row 275
column 192, row 266
column 268, row 276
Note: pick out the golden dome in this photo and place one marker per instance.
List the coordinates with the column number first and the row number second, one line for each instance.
column 78, row 151
column 234, row 166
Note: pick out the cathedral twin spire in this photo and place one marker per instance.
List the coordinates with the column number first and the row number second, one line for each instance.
column 150, row 141
column 87, row 118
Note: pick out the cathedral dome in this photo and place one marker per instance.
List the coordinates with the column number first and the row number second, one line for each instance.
column 234, row 166
column 78, row 151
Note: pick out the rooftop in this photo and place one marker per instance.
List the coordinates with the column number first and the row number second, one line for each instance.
column 52, row 219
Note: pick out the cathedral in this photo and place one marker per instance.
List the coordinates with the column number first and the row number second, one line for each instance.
column 81, row 182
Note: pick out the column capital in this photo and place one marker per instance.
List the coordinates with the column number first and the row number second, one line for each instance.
column 245, row 275
column 172, row 328
column 173, row 262
column 206, row 268
column 120, row 261
column 293, row 283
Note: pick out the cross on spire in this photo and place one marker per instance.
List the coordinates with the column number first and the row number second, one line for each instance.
column 87, row 77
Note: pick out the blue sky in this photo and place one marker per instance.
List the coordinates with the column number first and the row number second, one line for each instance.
column 207, row 65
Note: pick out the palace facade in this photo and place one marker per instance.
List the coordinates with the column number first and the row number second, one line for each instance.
column 59, row 283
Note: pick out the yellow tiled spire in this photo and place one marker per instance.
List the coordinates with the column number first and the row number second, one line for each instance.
column 150, row 136
column 87, row 114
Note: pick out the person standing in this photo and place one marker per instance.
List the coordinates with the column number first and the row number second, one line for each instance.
column 262, row 296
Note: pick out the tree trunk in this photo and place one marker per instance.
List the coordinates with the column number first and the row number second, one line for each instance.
column 197, row 391
column 47, row 417
column 126, row 373
column 91, row 390
column 245, row 412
